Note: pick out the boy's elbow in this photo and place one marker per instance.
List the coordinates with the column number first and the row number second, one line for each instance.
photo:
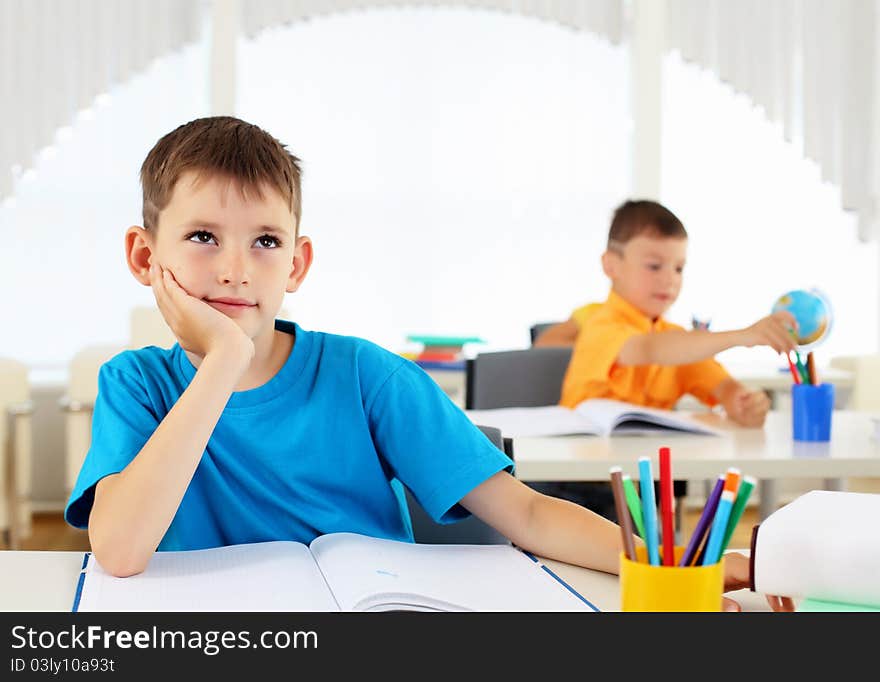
column 120, row 565
column 118, row 559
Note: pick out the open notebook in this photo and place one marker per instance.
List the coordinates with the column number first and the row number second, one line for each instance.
column 336, row 572
column 597, row 417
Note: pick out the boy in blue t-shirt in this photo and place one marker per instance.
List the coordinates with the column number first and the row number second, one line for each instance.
column 253, row 429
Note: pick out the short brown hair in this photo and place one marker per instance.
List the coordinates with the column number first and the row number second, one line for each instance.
column 224, row 146
column 635, row 218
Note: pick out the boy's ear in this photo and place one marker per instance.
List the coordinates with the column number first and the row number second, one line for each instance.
column 302, row 261
column 139, row 252
column 610, row 264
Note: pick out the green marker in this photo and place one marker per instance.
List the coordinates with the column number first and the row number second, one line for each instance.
column 803, row 370
column 742, row 497
column 634, row 504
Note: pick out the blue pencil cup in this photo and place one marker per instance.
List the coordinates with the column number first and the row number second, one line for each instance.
column 811, row 409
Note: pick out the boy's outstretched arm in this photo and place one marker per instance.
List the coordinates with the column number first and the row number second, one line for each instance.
column 679, row 347
column 548, row 526
column 561, row 530
column 133, row 509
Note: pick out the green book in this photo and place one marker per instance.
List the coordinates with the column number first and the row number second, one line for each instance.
column 444, row 340
column 819, row 606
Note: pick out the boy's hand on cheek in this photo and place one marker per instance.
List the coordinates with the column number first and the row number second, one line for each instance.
column 199, row 328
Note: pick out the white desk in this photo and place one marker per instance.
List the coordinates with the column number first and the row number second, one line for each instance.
column 771, row 378
column 767, row 454
column 46, row 581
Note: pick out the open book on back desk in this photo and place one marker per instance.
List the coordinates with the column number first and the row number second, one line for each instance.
column 597, row 416
column 336, row 572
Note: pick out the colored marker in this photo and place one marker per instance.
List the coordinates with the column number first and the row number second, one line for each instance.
column 803, row 370
column 666, row 503
column 811, row 369
column 690, row 552
column 742, row 497
column 794, row 373
column 722, row 516
column 634, row 504
column 622, row 510
column 649, row 509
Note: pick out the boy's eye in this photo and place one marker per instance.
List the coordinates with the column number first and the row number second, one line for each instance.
column 653, row 266
column 201, row 237
column 267, row 241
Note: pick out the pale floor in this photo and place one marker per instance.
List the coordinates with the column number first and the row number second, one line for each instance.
column 50, row 532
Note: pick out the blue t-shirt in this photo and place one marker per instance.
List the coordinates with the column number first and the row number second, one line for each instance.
column 322, row 447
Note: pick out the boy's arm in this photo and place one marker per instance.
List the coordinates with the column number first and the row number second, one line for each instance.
column 133, row 509
column 679, row 347
column 561, row 530
column 562, row 334
column 548, row 526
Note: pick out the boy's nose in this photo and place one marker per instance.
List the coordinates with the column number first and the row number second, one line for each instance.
column 233, row 270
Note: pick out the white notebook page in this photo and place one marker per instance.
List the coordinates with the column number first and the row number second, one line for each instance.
column 269, row 576
column 380, row 574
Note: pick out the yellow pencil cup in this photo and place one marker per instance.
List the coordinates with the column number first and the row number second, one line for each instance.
column 644, row 587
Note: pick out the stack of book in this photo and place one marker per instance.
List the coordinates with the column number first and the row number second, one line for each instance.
column 440, row 349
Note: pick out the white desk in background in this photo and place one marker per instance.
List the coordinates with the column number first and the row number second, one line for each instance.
column 768, row 454
column 777, row 381
column 46, row 581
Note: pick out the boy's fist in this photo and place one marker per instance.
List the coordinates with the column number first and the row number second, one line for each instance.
column 746, row 408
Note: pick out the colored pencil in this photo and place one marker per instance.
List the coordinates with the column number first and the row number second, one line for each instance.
column 649, row 509
column 794, row 373
column 666, row 503
column 742, row 497
column 811, row 369
column 634, row 504
column 722, row 515
column 690, row 552
column 622, row 510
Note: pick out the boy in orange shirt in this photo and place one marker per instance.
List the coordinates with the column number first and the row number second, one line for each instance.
column 626, row 351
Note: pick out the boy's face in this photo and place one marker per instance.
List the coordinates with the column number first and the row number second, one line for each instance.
column 237, row 254
column 647, row 271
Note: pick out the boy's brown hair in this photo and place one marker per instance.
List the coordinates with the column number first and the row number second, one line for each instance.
column 634, row 218
column 220, row 146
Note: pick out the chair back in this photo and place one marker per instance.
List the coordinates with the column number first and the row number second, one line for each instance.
column 516, row 378
column 470, row 531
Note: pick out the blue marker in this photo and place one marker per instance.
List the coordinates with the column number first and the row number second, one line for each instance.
column 649, row 510
column 719, row 527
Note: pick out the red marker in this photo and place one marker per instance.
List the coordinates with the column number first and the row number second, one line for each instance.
column 794, row 373
column 666, row 512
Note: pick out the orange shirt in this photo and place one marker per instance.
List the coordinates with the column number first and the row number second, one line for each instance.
column 594, row 373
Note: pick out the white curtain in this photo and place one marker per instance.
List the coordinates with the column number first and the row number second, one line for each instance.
column 603, row 17
column 56, row 56
column 812, row 66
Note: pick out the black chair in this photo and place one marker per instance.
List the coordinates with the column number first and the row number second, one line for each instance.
column 532, row 378
column 472, row 530
column 515, row 378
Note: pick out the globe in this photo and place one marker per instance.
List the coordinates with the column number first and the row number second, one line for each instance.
column 812, row 311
